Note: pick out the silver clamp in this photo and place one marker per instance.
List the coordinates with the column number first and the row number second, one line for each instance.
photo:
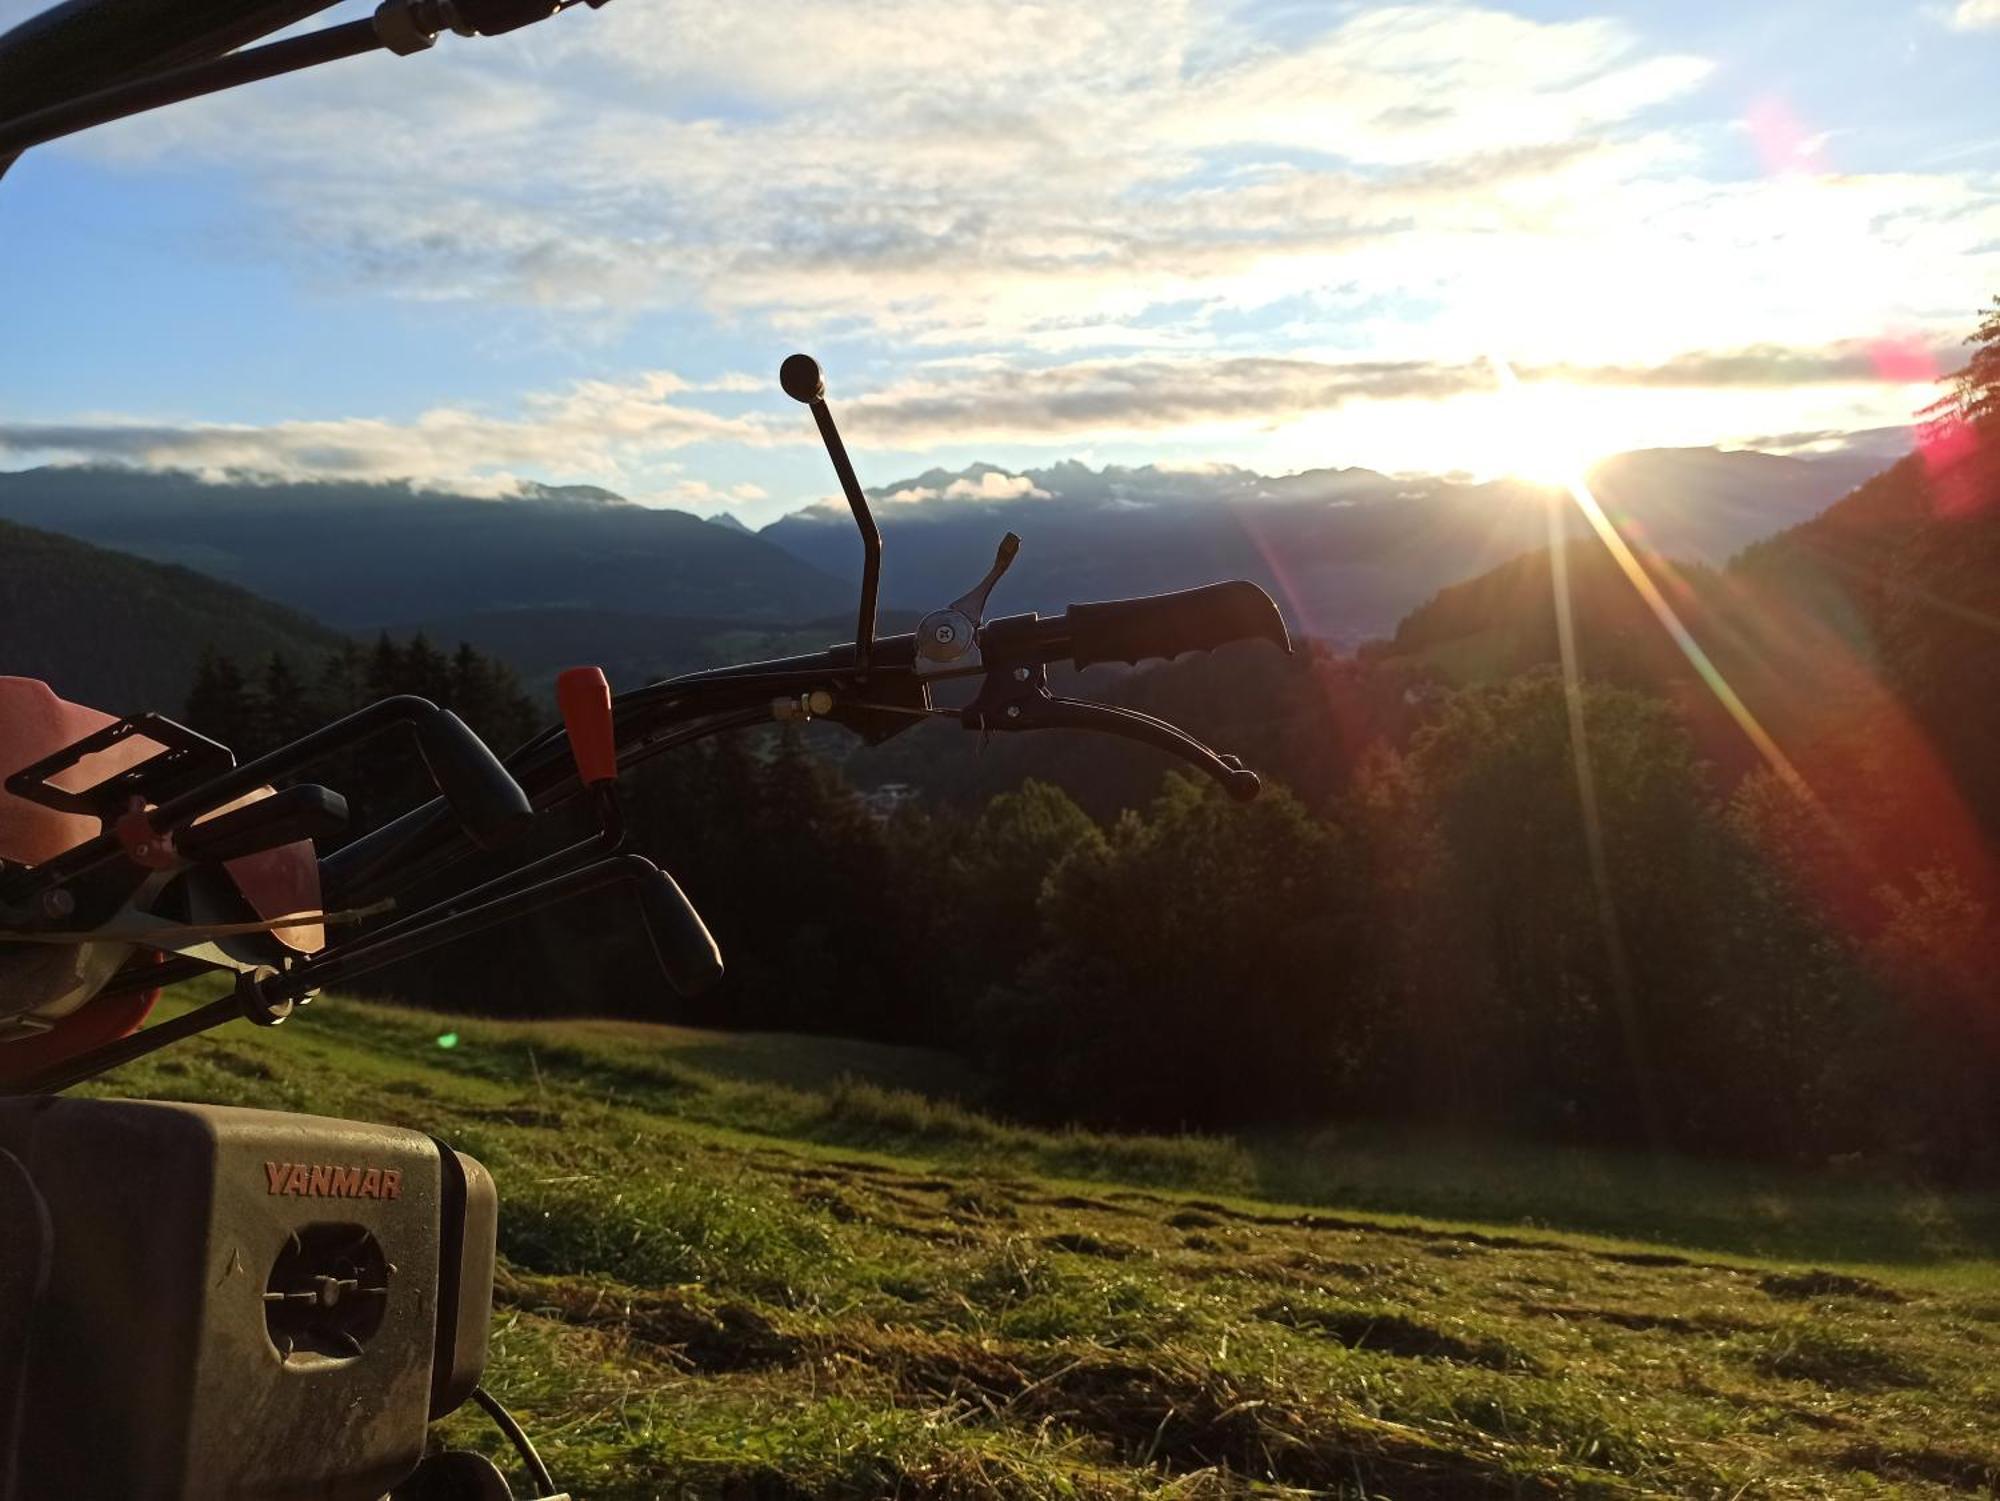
column 409, row 26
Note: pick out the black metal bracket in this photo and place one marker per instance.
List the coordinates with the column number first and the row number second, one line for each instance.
column 186, row 759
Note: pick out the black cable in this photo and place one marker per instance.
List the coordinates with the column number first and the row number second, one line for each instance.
column 172, row 87
column 518, row 1436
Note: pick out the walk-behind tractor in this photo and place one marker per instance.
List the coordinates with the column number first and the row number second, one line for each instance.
column 200, row 1302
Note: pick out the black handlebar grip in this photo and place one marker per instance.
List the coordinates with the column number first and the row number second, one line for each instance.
column 686, row 950
column 1165, row 625
column 488, row 802
column 285, row 817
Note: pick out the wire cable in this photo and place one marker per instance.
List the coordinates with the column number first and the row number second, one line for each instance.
column 518, row 1436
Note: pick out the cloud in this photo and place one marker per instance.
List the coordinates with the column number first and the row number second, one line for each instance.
column 623, row 434
column 1975, row 15
column 1416, row 185
column 988, row 171
column 986, row 484
column 1098, row 398
column 600, row 431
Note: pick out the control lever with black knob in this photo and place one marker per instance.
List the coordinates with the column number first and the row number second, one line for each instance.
column 804, row 382
column 686, row 951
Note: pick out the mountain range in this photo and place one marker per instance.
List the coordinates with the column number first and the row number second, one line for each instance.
column 361, row 556
column 1346, row 552
column 561, row 574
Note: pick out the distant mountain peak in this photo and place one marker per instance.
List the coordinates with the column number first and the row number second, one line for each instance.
column 729, row 521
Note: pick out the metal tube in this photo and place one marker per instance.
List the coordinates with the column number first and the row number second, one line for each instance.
column 80, row 47
column 192, row 82
column 348, row 962
column 61, row 1076
column 871, row 535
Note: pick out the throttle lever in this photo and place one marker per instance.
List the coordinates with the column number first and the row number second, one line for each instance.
column 1020, row 700
column 950, row 637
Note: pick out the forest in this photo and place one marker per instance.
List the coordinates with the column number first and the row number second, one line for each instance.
column 1734, row 903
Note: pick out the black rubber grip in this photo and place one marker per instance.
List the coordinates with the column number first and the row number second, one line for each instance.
column 490, row 804
column 1165, row 625
column 285, row 817
column 686, row 950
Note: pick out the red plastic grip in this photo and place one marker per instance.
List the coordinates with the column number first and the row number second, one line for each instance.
column 585, row 700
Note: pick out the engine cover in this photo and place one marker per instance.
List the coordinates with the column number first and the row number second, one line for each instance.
column 239, row 1304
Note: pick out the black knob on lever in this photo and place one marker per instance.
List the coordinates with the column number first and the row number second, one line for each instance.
column 803, row 381
column 686, row 951
column 801, row 377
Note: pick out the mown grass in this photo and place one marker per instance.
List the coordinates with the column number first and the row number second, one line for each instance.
column 730, row 1272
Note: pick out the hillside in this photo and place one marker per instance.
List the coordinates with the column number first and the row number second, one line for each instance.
column 123, row 634
column 837, row 1290
column 364, row 556
column 1861, row 638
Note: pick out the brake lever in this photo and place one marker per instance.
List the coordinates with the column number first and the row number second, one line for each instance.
column 1018, row 698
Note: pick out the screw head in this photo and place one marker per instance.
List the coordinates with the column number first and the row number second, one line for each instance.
column 945, row 634
column 1020, row 674
column 58, row 903
column 1013, row 711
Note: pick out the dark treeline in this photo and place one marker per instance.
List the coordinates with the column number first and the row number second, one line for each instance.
column 256, row 707
column 1477, row 891
column 1433, row 943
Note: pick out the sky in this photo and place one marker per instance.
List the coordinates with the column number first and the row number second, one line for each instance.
column 1280, row 234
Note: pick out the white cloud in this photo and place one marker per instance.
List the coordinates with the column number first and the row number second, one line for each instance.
column 1973, row 15
column 992, row 485
column 1441, row 180
column 596, row 431
column 1395, row 414
column 1152, row 220
column 989, row 171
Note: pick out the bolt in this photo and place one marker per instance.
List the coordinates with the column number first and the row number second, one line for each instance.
column 1013, row 711
column 944, row 635
column 1020, row 674
column 58, row 903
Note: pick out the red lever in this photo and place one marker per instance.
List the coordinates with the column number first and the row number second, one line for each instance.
column 585, row 700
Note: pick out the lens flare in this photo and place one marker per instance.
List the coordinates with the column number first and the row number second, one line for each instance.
column 1635, row 571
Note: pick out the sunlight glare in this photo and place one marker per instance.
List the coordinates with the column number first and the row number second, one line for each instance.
column 1541, row 433
column 1669, row 618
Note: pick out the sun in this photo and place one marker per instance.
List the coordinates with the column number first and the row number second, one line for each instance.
column 1556, row 463
column 1545, row 433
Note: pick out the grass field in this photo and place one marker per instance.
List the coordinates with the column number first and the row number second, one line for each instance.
column 750, row 1267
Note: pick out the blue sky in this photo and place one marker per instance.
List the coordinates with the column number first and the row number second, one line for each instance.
column 1278, row 235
